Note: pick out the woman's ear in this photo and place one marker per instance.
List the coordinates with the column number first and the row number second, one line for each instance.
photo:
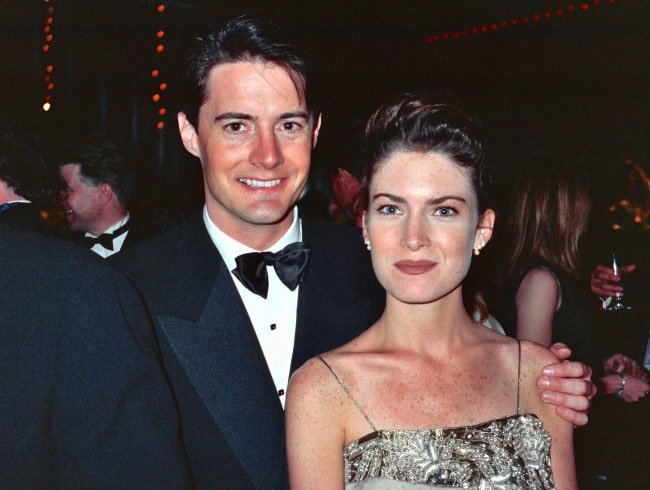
column 363, row 225
column 366, row 239
column 484, row 229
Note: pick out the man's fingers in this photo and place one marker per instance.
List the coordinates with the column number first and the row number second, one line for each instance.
column 578, row 419
column 567, row 369
column 561, row 351
column 577, row 391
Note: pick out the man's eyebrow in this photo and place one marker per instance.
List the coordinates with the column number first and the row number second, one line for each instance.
column 234, row 115
column 292, row 114
column 249, row 117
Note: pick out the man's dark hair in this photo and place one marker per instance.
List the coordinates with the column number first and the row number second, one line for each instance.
column 24, row 168
column 101, row 161
column 241, row 39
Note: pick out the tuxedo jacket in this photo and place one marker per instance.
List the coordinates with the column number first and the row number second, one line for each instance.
column 84, row 402
column 232, row 419
column 24, row 215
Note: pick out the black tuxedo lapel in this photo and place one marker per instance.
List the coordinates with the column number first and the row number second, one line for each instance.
column 225, row 364
column 344, row 321
column 340, row 296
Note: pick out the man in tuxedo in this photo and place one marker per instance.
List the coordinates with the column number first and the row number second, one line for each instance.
column 233, row 323
column 98, row 185
column 84, row 403
column 25, row 181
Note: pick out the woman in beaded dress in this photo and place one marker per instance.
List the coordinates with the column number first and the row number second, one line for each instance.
column 426, row 397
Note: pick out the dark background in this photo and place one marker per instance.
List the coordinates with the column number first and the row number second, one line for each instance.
column 574, row 81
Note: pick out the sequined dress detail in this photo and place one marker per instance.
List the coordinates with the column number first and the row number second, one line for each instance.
column 507, row 453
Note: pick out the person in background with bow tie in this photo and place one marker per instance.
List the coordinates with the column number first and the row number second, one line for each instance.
column 97, row 187
column 26, row 181
column 248, row 289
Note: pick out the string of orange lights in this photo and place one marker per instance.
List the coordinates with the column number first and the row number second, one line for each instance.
column 570, row 8
column 48, row 78
column 160, row 84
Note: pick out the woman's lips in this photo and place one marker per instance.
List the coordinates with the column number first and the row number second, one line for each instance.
column 415, row 267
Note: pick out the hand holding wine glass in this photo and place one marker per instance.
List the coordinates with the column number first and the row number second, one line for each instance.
column 604, row 283
column 619, row 270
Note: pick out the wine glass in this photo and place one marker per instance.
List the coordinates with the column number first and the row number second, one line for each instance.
column 618, row 270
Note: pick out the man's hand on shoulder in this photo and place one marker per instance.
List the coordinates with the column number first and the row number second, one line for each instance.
column 567, row 384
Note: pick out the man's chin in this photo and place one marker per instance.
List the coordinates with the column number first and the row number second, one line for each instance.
column 271, row 216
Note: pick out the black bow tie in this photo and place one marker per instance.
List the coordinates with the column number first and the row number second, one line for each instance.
column 290, row 265
column 105, row 239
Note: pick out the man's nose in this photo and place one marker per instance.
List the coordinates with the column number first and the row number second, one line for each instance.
column 267, row 151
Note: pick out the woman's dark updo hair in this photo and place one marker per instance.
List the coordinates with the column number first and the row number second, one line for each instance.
column 416, row 123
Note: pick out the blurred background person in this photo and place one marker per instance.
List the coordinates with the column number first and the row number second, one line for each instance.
column 98, row 185
column 27, row 182
column 614, row 450
column 545, row 298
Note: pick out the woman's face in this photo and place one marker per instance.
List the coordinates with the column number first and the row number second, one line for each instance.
column 423, row 222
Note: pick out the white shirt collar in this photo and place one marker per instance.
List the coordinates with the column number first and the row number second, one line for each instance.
column 118, row 241
column 229, row 248
column 113, row 227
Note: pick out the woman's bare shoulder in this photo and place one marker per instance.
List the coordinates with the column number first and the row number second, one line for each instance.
column 539, row 279
column 312, row 371
column 534, row 355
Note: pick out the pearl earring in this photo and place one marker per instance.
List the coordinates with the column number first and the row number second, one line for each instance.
column 367, row 242
column 477, row 251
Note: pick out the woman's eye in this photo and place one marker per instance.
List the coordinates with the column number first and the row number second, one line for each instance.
column 388, row 209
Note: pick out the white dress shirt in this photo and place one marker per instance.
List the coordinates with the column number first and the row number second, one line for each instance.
column 273, row 318
column 117, row 241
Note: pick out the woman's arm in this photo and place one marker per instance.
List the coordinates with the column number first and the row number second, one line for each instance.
column 315, row 433
column 537, row 300
column 567, row 385
column 533, row 357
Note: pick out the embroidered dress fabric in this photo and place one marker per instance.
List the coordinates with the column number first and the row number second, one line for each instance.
column 501, row 454
column 507, row 453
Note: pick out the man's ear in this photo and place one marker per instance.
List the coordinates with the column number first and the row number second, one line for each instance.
column 105, row 192
column 188, row 134
column 315, row 131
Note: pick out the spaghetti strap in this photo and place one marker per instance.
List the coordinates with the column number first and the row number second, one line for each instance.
column 518, row 373
column 347, row 391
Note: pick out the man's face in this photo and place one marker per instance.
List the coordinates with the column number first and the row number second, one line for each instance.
column 254, row 140
column 81, row 200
